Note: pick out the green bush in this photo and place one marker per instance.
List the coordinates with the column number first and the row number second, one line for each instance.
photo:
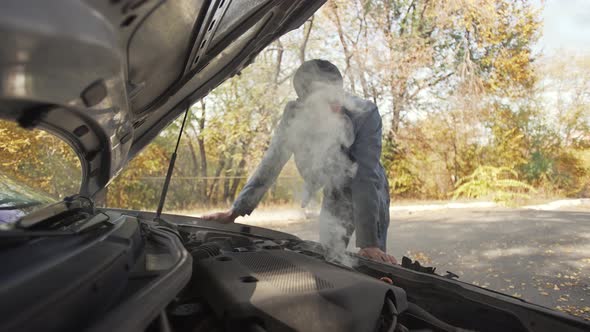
column 497, row 183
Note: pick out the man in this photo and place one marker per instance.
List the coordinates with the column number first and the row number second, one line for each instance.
column 335, row 139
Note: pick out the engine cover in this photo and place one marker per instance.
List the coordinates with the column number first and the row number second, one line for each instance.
column 283, row 290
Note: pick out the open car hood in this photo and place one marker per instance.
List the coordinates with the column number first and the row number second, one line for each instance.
column 108, row 75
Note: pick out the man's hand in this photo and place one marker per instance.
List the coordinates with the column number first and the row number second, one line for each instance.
column 377, row 254
column 225, row 217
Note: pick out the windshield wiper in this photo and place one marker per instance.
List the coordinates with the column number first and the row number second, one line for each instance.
column 77, row 227
column 58, row 215
column 48, row 216
column 19, row 206
column 20, row 236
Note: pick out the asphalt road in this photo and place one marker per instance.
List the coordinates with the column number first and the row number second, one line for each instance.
column 540, row 256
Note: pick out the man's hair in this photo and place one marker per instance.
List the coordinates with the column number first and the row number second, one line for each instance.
column 315, row 70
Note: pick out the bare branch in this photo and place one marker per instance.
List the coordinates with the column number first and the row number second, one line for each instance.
column 306, row 33
column 278, row 63
column 430, row 84
column 347, row 53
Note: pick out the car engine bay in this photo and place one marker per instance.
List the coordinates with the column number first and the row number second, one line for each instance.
column 132, row 272
column 258, row 285
column 249, row 283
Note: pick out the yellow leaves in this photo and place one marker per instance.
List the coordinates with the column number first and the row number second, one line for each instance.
column 38, row 159
column 574, row 310
column 420, row 256
column 127, row 190
column 511, row 68
column 489, row 181
column 504, row 31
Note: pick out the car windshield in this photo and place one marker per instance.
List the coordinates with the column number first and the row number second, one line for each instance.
column 18, row 199
column 36, row 169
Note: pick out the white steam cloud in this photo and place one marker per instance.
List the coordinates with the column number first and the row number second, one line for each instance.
column 320, row 135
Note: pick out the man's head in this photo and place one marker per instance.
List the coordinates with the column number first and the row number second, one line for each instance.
column 316, row 74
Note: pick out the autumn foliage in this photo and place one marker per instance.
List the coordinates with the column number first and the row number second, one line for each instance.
column 470, row 109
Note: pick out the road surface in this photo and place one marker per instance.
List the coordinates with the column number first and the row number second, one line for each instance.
column 540, row 256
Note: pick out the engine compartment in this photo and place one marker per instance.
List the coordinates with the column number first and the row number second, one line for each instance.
column 241, row 283
column 261, row 283
column 245, row 282
column 135, row 273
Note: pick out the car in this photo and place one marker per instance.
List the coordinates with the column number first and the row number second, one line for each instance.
column 107, row 76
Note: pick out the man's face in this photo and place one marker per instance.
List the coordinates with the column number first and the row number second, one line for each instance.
column 321, row 116
column 324, row 97
column 336, row 107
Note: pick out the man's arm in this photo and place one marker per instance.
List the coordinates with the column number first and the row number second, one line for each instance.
column 268, row 170
column 367, row 186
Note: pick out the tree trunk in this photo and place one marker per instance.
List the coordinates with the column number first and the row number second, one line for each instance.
column 227, row 180
column 211, row 196
column 203, row 152
column 237, row 179
column 364, row 86
column 347, row 53
column 396, row 112
column 194, row 159
column 306, row 33
column 195, row 168
column 277, row 73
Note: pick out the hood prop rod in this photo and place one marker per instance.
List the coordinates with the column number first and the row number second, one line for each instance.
column 170, row 169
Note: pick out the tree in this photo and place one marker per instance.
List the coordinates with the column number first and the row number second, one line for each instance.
column 559, row 130
column 39, row 159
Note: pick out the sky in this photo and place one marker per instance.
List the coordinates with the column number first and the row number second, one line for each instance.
column 566, row 27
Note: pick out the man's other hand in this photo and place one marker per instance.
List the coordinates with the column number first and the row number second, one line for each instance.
column 225, row 217
column 377, row 254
